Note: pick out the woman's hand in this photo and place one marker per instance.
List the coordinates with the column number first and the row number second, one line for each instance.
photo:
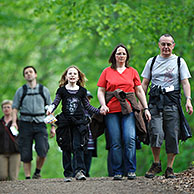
column 101, row 97
column 104, row 109
column 147, row 115
column 14, row 125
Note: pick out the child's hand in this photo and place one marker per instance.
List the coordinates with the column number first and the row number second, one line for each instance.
column 102, row 112
column 49, row 109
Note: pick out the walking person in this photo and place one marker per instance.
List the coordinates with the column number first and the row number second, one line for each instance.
column 72, row 131
column 30, row 100
column 92, row 144
column 9, row 153
column 166, row 72
column 121, row 84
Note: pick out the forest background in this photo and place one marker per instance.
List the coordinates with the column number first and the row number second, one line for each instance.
column 54, row 34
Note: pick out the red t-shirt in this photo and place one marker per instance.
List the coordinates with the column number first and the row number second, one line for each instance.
column 111, row 80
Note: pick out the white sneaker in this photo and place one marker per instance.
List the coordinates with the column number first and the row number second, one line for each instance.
column 67, row 179
column 131, row 175
column 118, row 177
column 80, row 176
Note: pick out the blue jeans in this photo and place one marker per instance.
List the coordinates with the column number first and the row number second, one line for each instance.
column 122, row 137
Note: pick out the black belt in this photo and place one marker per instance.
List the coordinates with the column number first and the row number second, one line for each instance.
column 31, row 114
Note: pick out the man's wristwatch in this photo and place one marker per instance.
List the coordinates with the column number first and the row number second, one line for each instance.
column 189, row 97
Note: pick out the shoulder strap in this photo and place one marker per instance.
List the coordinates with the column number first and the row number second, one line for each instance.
column 179, row 64
column 153, row 61
column 24, row 87
column 41, row 93
column 8, row 131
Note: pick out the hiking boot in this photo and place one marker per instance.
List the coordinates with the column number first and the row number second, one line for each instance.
column 118, row 177
column 67, row 179
column 131, row 175
column 36, row 176
column 80, row 176
column 169, row 173
column 155, row 168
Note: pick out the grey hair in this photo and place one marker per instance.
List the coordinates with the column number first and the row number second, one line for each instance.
column 167, row 35
column 6, row 102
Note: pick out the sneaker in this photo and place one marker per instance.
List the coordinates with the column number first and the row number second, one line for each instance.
column 131, row 175
column 36, row 176
column 169, row 173
column 118, row 177
column 67, row 179
column 155, row 168
column 80, row 176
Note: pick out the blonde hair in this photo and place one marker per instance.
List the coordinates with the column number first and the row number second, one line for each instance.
column 6, row 102
column 80, row 82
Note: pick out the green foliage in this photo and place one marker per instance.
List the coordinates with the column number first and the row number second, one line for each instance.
column 53, row 34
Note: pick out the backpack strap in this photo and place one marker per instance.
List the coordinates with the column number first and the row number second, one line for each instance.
column 178, row 62
column 151, row 66
column 24, row 87
column 41, row 93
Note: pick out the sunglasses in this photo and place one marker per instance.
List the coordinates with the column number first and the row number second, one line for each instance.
column 121, row 54
column 166, row 44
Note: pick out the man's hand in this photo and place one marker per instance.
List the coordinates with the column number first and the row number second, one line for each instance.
column 189, row 107
column 147, row 115
column 52, row 131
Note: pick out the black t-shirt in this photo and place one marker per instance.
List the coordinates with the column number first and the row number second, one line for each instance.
column 72, row 104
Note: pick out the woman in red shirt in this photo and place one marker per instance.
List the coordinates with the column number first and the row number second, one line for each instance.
column 121, row 127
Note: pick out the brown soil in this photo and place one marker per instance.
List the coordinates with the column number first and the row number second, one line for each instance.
column 184, row 183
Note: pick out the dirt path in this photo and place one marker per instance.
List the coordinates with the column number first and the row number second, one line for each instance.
column 184, row 183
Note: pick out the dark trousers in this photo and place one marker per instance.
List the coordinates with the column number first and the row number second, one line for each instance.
column 68, row 170
column 78, row 156
column 88, row 161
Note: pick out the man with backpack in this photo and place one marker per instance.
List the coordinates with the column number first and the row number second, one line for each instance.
column 166, row 72
column 30, row 100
